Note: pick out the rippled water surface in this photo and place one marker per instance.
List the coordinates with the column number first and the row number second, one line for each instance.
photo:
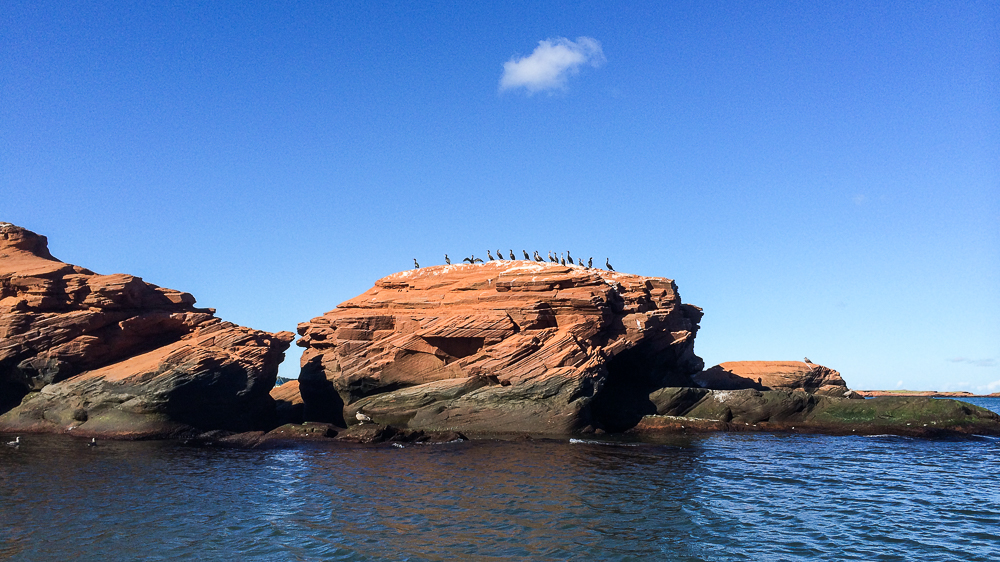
column 720, row 497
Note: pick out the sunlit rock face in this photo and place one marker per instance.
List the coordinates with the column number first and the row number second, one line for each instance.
column 773, row 375
column 501, row 347
column 114, row 356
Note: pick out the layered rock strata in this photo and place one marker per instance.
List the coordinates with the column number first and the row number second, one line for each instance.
column 502, row 347
column 773, row 375
column 114, row 356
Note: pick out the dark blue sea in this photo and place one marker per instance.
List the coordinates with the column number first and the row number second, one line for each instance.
column 754, row 497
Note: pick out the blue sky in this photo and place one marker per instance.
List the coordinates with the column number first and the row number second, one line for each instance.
column 822, row 178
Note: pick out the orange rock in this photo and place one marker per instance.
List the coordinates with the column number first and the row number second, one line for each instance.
column 114, row 356
column 773, row 375
column 512, row 346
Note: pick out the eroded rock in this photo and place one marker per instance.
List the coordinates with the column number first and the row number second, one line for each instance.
column 504, row 347
column 773, row 375
column 114, row 356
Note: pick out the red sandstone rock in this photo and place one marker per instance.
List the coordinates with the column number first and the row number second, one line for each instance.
column 773, row 375
column 512, row 346
column 114, row 356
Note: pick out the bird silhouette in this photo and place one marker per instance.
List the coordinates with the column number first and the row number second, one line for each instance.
column 569, row 258
column 447, row 260
column 470, row 260
column 489, row 255
column 477, row 260
column 538, row 256
column 552, row 259
column 415, row 264
column 806, row 359
column 590, row 262
column 562, row 259
column 608, row 264
column 499, row 255
column 526, row 256
column 512, row 258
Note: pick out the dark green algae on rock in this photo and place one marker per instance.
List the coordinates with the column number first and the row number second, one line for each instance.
column 684, row 410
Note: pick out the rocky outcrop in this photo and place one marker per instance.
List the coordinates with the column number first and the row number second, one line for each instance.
column 288, row 402
column 503, row 347
column 773, row 375
column 685, row 410
column 114, row 356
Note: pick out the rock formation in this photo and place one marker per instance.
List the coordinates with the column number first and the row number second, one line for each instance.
column 687, row 410
column 773, row 375
column 502, row 347
column 114, row 356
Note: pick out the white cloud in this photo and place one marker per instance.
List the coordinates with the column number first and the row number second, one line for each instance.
column 551, row 63
column 993, row 386
column 974, row 362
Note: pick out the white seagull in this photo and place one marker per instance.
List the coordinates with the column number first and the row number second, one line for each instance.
column 15, row 443
column 361, row 417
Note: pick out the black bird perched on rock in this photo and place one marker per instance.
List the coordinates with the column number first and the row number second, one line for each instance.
column 562, row 260
column 538, row 257
column 590, row 262
column 447, row 260
column 526, row 256
column 608, row 264
column 552, row 259
column 489, row 255
column 477, row 260
column 499, row 254
column 415, row 264
column 471, row 259
column 512, row 258
column 569, row 258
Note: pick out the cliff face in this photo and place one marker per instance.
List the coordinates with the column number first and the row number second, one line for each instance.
column 112, row 355
column 513, row 346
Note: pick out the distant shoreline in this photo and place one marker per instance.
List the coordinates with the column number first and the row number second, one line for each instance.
column 932, row 393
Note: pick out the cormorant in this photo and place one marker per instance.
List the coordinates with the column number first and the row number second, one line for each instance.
column 489, row 255
column 590, row 262
column 470, row 260
column 477, row 260
column 499, row 255
column 512, row 258
column 552, row 259
column 415, row 264
column 608, row 264
column 526, row 256
column 562, row 259
column 15, row 443
column 538, row 256
column 568, row 258
column 447, row 260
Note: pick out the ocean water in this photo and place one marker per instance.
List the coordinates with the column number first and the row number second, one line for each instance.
column 741, row 496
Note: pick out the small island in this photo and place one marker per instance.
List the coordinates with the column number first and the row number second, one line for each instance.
column 483, row 350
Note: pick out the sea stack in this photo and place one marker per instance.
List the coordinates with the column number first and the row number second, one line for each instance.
column 114, row 356
column 506, row 347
